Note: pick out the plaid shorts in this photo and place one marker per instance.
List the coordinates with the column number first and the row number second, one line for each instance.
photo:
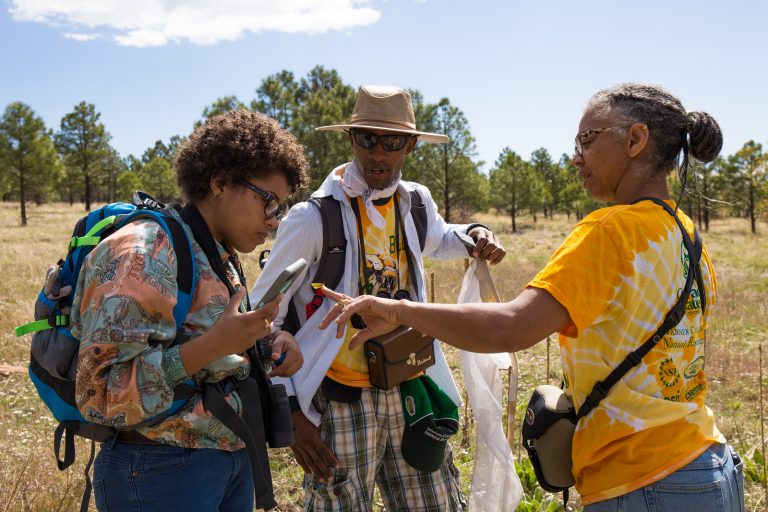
column 365, row 437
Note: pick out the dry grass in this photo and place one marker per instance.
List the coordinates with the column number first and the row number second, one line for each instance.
column 30, row 481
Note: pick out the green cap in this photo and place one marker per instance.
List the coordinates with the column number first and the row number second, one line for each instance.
column 431, row 418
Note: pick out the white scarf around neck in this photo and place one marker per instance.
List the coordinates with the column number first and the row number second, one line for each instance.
column 355, row 185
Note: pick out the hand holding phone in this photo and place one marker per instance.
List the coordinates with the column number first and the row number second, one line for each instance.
column 283, row 282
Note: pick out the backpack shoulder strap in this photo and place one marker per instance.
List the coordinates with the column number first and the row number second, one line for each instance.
column 330, row 269
column 186, row 278
column 419, row 216
column 331, row 266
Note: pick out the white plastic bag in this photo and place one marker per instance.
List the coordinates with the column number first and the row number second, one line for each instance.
column 495, row 485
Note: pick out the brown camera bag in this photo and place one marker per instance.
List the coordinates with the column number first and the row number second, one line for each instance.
column 397, row 356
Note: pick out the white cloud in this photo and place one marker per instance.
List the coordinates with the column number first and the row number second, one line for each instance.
column 80, row 37
column 156, row 22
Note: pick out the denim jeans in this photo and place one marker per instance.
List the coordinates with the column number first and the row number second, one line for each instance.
column 143, row 477
column 714, row 481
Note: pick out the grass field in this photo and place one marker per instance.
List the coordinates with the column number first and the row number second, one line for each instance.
column 30, row 481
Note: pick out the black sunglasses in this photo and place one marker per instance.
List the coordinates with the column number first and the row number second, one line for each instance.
column 272, row 206
column 389, row 142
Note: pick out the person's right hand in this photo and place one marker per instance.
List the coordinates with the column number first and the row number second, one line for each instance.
column 309, row 450
column 379, row 315
column 238, row 331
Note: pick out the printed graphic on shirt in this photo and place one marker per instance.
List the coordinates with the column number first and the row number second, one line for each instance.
column 386, row 268
column 618, row 274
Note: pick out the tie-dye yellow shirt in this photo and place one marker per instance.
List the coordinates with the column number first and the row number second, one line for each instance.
column 618, row 274
column 387, row 271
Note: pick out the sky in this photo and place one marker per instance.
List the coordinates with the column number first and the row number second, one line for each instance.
column 521, row 71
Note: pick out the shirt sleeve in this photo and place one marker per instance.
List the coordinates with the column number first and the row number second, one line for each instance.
column 123, row 315
column 583, row 274
column 299, row 235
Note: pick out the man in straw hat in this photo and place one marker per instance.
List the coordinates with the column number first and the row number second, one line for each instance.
column 349, row 434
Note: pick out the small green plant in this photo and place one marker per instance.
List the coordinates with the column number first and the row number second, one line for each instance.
column 753, row 468
column 534, row 498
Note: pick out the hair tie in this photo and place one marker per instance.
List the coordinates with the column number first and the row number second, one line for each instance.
column 689, row 121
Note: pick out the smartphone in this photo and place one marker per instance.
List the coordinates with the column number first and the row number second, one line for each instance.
column 465, row 239
column 283, row 282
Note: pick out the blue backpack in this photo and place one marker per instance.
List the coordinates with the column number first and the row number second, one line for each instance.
column 54, row 352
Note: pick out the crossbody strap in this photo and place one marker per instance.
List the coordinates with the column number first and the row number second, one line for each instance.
column 673, row 317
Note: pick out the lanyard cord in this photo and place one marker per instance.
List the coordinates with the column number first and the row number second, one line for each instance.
column 398, row 226
column 361, row 244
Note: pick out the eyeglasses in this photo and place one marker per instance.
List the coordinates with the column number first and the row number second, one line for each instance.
column 389, row 142
column 272, row 206
column 587, row 136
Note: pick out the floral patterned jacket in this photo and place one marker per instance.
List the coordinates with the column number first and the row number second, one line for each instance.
column 123, row 315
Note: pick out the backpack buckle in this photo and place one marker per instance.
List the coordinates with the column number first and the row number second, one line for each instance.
column 144, row 201
column 58, row 320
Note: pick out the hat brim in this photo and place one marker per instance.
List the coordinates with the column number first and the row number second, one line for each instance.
column 422, row 451
column 435, row 138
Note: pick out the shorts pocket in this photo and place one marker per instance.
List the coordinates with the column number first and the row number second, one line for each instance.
column 457, row 498
column 339, row 491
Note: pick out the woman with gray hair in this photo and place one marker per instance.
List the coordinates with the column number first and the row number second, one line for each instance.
column 651, row 443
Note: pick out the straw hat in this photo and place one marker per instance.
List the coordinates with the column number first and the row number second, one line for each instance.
column 385, row 108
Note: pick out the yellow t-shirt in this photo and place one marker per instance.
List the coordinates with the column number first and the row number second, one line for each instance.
column 618, row 273
column 387, row 270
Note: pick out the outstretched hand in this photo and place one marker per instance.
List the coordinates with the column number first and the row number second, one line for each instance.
column 379, row 315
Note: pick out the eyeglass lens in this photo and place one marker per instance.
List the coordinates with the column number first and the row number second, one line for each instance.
column 272, row 207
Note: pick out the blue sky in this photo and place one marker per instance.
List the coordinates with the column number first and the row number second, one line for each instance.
column 520, row 71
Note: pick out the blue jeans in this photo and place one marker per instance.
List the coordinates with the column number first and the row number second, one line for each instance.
column 714, row 481
column 143, row 477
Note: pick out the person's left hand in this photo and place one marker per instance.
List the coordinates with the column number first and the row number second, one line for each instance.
column 487, row 245
column 285, row 344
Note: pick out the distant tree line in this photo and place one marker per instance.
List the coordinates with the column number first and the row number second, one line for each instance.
column 76, row 162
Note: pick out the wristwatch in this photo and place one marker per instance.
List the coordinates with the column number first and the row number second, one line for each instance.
column 477, row 225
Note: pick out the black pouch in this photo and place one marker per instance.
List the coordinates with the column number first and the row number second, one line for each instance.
column 548, row 428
